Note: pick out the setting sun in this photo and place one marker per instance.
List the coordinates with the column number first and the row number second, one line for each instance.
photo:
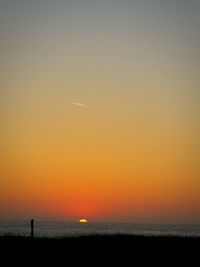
column 83, row 221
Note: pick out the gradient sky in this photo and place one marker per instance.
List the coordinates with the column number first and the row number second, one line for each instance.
column 99, row 110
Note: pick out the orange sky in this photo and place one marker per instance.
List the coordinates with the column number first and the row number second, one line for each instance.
column 131, row 151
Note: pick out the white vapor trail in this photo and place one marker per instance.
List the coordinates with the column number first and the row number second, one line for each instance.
column 80, row 104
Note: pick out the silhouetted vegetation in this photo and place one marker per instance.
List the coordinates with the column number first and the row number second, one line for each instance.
column 102, row 249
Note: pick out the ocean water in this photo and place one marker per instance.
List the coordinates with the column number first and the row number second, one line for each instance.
column 64, row 229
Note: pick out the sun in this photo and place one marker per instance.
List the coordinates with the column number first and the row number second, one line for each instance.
column 83, row 221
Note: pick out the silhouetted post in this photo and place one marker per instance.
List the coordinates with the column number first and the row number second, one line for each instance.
column 32, row 228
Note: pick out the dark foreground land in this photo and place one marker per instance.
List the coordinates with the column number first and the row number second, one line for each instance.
column 100, row 250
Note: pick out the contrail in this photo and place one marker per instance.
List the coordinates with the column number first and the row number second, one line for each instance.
column 80, row 104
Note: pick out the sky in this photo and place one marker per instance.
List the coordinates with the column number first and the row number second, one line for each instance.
column 99, row 110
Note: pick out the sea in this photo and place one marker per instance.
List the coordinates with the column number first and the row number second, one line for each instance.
column 69, row 229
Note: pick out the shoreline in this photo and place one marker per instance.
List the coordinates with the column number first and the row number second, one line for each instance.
column 11, row 235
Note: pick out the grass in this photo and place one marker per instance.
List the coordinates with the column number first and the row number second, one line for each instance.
column 102, row 249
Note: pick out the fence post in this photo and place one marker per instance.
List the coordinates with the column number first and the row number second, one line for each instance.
column 32, row 228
